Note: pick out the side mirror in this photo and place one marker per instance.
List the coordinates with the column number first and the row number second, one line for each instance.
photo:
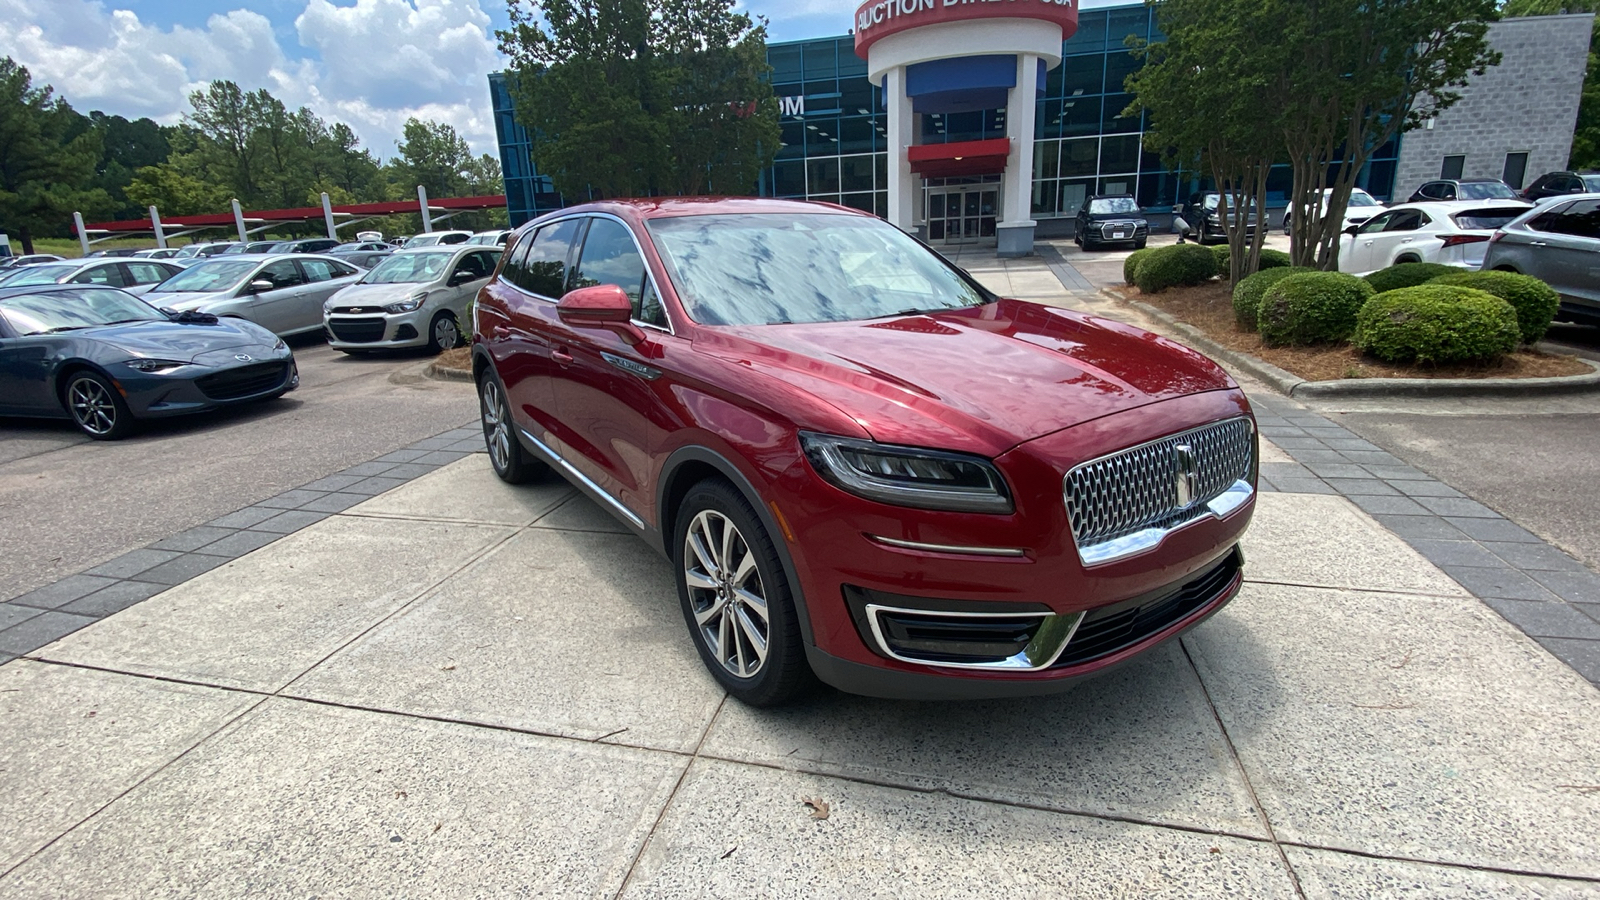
column 601, row 306
column 1352, row 230
column 260, row 286
column 460, row 277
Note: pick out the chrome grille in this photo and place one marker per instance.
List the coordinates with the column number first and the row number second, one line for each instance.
column 1139, row 488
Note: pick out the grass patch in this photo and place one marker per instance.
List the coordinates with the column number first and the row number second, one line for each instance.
column 1209, row 307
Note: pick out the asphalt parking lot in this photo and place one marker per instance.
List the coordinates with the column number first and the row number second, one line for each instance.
column 68, row 503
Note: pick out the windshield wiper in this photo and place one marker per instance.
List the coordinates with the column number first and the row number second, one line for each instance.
column 59, row 328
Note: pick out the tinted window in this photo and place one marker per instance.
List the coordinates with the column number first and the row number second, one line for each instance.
column 1516, row 169
column 762, row 269
column 283, row 274
column 544, row 271
column 1581, row 219
column 480, row 264
column 1487, row 219
column 1406, row 220
column 610, row 257
column 512, row 270
column 109, row 275
column 1452, row 166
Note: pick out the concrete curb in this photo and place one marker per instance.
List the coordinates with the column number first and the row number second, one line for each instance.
column 1292, row 385
column 446, row 373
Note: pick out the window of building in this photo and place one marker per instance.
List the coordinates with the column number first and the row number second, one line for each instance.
column 1516, row 169
column 1453, row 165
column 1080, row 157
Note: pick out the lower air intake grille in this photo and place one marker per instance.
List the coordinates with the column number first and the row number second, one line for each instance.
column 357, row 331
column 1106, row 630
column 243, row 381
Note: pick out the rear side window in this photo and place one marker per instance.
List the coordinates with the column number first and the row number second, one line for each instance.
column 1485, row 219
column 107, row 275
column 544, row 271
column 1581, row 219
column 145, row 273
column 512, row 270
column 320, row 269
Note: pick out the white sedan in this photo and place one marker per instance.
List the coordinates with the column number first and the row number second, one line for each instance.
column 1453, row 233
column 1362, row 207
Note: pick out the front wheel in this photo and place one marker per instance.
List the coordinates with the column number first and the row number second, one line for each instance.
column 511, row 463
column 96, row 407
column 735, row 598
column 444, row 334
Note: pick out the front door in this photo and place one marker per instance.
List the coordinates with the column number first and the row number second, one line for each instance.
column 963, row 215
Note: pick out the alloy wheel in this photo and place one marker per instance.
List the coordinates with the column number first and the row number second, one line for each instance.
column 496, row 425
column 92, row 406
column 726, row 594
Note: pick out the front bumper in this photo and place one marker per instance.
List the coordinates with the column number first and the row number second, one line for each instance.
column 924, row 571
column 151, row 396
column 377, row 330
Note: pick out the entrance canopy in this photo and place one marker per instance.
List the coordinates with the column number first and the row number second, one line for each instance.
column 960, row 158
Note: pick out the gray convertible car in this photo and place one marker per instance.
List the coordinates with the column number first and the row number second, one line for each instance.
column 106, row 359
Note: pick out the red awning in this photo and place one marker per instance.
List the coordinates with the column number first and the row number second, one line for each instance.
column 960, row 158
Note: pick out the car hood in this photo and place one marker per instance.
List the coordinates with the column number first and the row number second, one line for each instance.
column 982, row 379
column 181, row 341
column 377, row 294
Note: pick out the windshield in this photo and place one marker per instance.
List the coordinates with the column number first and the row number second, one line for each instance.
column 767, row 269
column 208, row 277
column 70, row 310
column 1591, row 183
column 1362, row 198
column 45, row 274
column 1113, row 205
column 408, row 268
column 1485, row 190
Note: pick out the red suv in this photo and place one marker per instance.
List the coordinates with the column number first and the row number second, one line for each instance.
column 864, row 466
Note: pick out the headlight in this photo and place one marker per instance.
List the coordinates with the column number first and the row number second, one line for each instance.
column 154, row 365
column 409, row 304
column 280, row 345
column 327, row 306
column 908, row 476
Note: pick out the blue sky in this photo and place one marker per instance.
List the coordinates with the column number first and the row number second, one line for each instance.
column 370, row 63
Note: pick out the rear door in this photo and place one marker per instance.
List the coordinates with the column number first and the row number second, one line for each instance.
column 108, row 274
column 1570, row 258
column 324, row 278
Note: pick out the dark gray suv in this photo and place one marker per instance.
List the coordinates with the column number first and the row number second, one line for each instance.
column 1558, row 243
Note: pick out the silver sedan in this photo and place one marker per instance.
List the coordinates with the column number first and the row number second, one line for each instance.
column 282, row 293
column 132, row 275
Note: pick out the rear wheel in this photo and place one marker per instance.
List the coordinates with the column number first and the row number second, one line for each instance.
column 735, row 598
column 96, row 407
column 512, row 463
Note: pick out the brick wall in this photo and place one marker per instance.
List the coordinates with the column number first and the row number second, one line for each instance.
column 1528, row 103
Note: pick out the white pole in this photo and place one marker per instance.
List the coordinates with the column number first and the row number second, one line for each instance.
column 422, row 203
column 155, row 222
column 901, row 134
column 238, row 222
column 83, row 233
column 1016, row 198
column 327, row 216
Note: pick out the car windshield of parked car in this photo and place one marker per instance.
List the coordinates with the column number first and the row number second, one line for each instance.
column 1362, row 198
column 208, row 277
column 70, row 310
column 48, row 273
column 1112, row 205
column 1591, row 183
column 1485, row 190
column 767, row 269
column 1487, row 219
column 409, row 268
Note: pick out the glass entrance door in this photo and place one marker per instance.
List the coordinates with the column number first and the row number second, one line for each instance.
column 962, row 215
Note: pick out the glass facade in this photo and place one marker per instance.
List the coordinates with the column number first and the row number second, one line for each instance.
column 833, row 120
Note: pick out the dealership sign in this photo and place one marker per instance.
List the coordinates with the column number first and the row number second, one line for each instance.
column 876, row 19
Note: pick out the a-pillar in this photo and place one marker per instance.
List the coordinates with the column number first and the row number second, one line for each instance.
column 901, row 135
column 1015, row 231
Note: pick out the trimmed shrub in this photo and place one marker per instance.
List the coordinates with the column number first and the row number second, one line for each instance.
column 1224, row 257
column 1535, row 302
column 1270, row 259
column 1174, row 266
column 1130, row 266
column 1437, row 323
column 1407, row 275
column 1311, row 308
column 1248, row 292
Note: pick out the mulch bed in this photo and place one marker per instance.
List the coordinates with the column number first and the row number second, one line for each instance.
column 460, row 358
column 1209, row 307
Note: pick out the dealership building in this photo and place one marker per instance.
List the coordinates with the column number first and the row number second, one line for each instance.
column 990, row 121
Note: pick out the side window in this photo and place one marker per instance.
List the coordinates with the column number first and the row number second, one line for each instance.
column 610, row 257
column 107, row 274
column 144, row 273
column 318, row 270
column 480, row 264
column 545, row 269
column 516, row 260
column 1581, row 219
column 282, row 274
column 1404, row 220
column 1377, row 223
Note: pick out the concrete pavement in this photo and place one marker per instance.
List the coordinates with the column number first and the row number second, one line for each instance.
column 450, row 686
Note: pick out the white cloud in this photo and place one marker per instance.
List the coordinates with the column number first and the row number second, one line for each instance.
column 371, row 65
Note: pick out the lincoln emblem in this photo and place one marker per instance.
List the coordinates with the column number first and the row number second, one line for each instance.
column 1183, row 458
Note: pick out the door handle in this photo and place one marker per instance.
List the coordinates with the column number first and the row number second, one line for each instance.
column 562, row 357
column 1537, row 244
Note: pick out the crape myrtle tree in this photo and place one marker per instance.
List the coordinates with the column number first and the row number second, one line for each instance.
column 1209, row 91
column 48, row 155
column 1357, row 73
column 643, row 97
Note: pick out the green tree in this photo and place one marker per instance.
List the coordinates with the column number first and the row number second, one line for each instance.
column 434, row 156
column 47, row 159
column 1585, row 152
column 1209, row 91
column 642, row 97
column 1358, row 73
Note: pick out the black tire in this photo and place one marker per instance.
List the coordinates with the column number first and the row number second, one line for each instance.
column 444, row 321
column 96, row 407
column 1139, row 244
column 510, row 461
column 783, row 673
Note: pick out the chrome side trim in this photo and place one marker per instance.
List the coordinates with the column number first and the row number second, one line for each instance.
column 946, row 548
column 1055, row 631
column 584, row 480
column 1220, row 506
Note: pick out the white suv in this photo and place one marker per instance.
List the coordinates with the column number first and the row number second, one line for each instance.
column 412, row 298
